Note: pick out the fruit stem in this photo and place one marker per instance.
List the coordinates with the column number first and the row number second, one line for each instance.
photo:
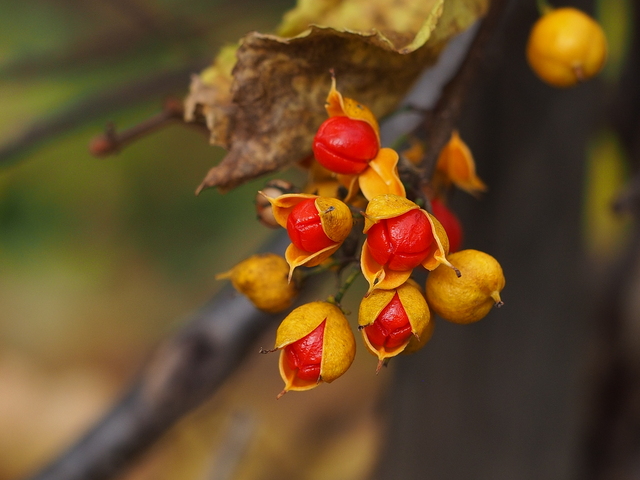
column 380, row 365
column 337, row 298
column 544, row 7
column 224, row 275
column 497, row 299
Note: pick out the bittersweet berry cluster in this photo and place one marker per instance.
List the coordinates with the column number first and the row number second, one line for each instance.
column 315, row 340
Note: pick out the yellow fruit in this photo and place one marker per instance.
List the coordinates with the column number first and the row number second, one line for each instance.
column 322, row 342
column 390, row 319
column 471, row 296
column 565, row 47
column 263, row 279
column 416, row 344
column 334, row 216
column 456, row 165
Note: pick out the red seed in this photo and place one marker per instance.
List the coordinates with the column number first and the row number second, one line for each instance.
column 391, row 328
column 305, row 355
column 450, row 223
column 401, row 243
column 344, row 145
column 305, row 227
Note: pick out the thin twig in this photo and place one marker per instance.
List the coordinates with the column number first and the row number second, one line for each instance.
column 91, row 108
column 111, row 141
column 337, row 298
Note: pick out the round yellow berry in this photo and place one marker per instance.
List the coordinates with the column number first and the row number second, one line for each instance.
column 471, row 296
column 566, row 46
column 263, row 279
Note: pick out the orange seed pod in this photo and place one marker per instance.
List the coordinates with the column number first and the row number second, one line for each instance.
column 457, row 166
column 273, row 188
column 320, row 227
column 354, row 154
column 316, row 345
column 389, row 319
column 403, row 243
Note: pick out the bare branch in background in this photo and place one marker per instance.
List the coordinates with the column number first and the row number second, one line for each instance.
column 181, row 375
column 137, row 28
column 111, row 141
column 612, row 438
column 90, row 109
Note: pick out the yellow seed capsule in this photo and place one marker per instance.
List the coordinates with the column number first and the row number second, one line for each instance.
column 456, row 165
column 317, row 226
column 263, row 280
column 390, row 319
column 316, row 345
column 400, row 236
column 348, row 143
column 566, row 46
column 416, row 344
column 339, row 106
column 471, row 296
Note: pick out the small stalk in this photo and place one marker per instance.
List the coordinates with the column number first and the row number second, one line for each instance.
column 337, row 298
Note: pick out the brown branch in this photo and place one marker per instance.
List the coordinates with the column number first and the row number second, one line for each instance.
column 611, row 445
column 440, row 122
column 111, row 141
column 91, row 108
column 183, row 373
column 135, row 28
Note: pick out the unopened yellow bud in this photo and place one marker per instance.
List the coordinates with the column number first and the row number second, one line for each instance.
column 471, row 296
column 263, row 280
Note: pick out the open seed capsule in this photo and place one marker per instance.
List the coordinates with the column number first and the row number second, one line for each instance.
column 389, row 319
column 316, row 345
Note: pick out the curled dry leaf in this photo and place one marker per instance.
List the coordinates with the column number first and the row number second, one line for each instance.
column 265, row 108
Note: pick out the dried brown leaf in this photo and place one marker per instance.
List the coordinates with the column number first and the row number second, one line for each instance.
column 267, row 109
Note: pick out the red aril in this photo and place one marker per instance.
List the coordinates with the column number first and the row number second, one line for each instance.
column 304, row 227
column 344, row 145
column 401, row 243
